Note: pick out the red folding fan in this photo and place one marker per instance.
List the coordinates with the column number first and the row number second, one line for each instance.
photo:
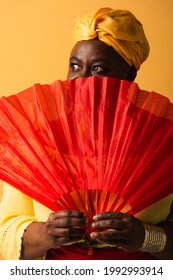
column 92, row 144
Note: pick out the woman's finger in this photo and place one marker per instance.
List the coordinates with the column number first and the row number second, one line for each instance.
column 66, row 222
column 70, row 232
column 111, row 215
column 110, row 235
column 66, row 218
column 67, row 213
column 109, row 224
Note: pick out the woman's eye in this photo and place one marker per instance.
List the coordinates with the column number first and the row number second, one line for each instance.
column 98, row 69
column 75, row 67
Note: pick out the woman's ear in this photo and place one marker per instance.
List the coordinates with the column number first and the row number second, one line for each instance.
column 132, row 74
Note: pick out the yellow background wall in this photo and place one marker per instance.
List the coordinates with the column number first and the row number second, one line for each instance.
column 35, row 40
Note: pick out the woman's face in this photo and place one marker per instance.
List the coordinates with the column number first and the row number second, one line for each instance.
column 95, row 58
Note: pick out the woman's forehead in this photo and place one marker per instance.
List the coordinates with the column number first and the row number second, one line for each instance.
column 95, row 46
column 95, row 49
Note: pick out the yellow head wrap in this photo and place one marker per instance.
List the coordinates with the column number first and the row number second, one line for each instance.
column 117, row 28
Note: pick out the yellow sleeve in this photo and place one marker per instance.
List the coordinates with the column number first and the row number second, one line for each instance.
column 16, row 213
column 158, row 212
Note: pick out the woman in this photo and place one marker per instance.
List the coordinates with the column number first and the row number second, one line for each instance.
column 107, row 43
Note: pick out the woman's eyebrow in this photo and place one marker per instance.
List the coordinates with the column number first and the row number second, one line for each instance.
column 92, row 60
column 99, row 59
column 74, row 58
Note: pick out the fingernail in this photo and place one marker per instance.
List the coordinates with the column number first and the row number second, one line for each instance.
column 95, row 224
column 94, row 235
column 95, row 218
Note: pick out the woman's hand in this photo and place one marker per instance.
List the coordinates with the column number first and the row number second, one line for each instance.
column 120, row 229
column 64, row 227
column 61, row 228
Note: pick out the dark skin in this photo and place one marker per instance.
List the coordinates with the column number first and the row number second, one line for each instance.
column 92, row 58
column 95, row 58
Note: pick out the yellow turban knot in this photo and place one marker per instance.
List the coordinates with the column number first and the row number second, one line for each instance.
column 117, row 28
